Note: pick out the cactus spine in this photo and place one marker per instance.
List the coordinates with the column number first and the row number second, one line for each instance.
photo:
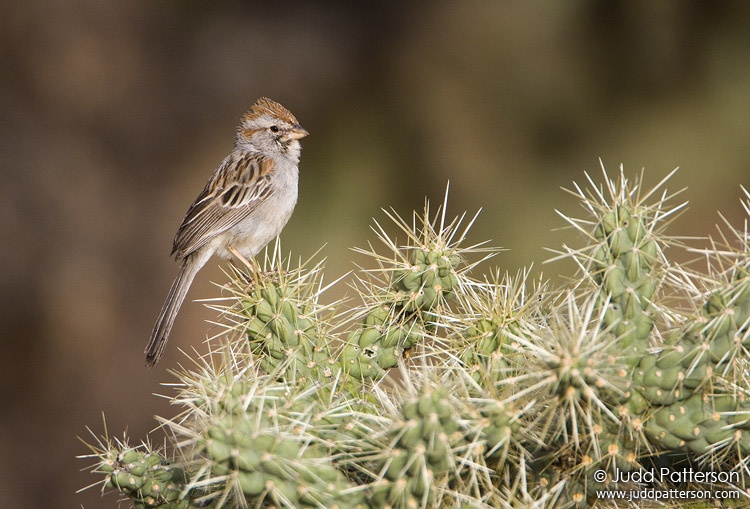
column 438, row 388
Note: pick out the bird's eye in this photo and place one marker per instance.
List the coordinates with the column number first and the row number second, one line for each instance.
column 274, row 128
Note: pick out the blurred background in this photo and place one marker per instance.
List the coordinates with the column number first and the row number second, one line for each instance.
column 114, row 114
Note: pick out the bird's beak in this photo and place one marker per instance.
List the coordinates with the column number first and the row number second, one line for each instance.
column 297, row 132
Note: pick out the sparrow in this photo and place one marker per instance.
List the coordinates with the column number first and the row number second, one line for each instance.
column 245, row 204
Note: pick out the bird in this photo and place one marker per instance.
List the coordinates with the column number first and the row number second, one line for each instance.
column 245, row 204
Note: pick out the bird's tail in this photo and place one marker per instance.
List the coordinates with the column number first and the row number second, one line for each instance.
column 159, row 336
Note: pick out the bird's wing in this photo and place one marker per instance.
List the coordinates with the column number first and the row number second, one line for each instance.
column 239, row 185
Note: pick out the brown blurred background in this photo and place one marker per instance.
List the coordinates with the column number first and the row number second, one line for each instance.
column 115, row 113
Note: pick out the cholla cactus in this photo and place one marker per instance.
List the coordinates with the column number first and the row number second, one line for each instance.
column 141, row 473
column 409, row 292
column 439, row 388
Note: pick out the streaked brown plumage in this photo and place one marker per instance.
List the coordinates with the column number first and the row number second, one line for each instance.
column 245, row 204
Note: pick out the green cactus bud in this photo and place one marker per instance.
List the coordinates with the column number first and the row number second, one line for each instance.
column 252, row 483
column 264, row 310
column 699, row 445
column 430, row 298
column 290, row 312
column 715, row 434
column 378, row 316
column 620, row 242
column 608, row 223
column 270, row 293
column 616, row 282
column 430, row 276
column 125, row 480
column 664, row 439
column 359, row 362
column 367, row 337
column 395, row 336
column 131, row 456
column 636, row 229
column 408, row 280
column 388, row 357
column 715, row 304
column 664, row 378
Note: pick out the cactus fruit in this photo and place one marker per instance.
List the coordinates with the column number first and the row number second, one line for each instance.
column 438, row 389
